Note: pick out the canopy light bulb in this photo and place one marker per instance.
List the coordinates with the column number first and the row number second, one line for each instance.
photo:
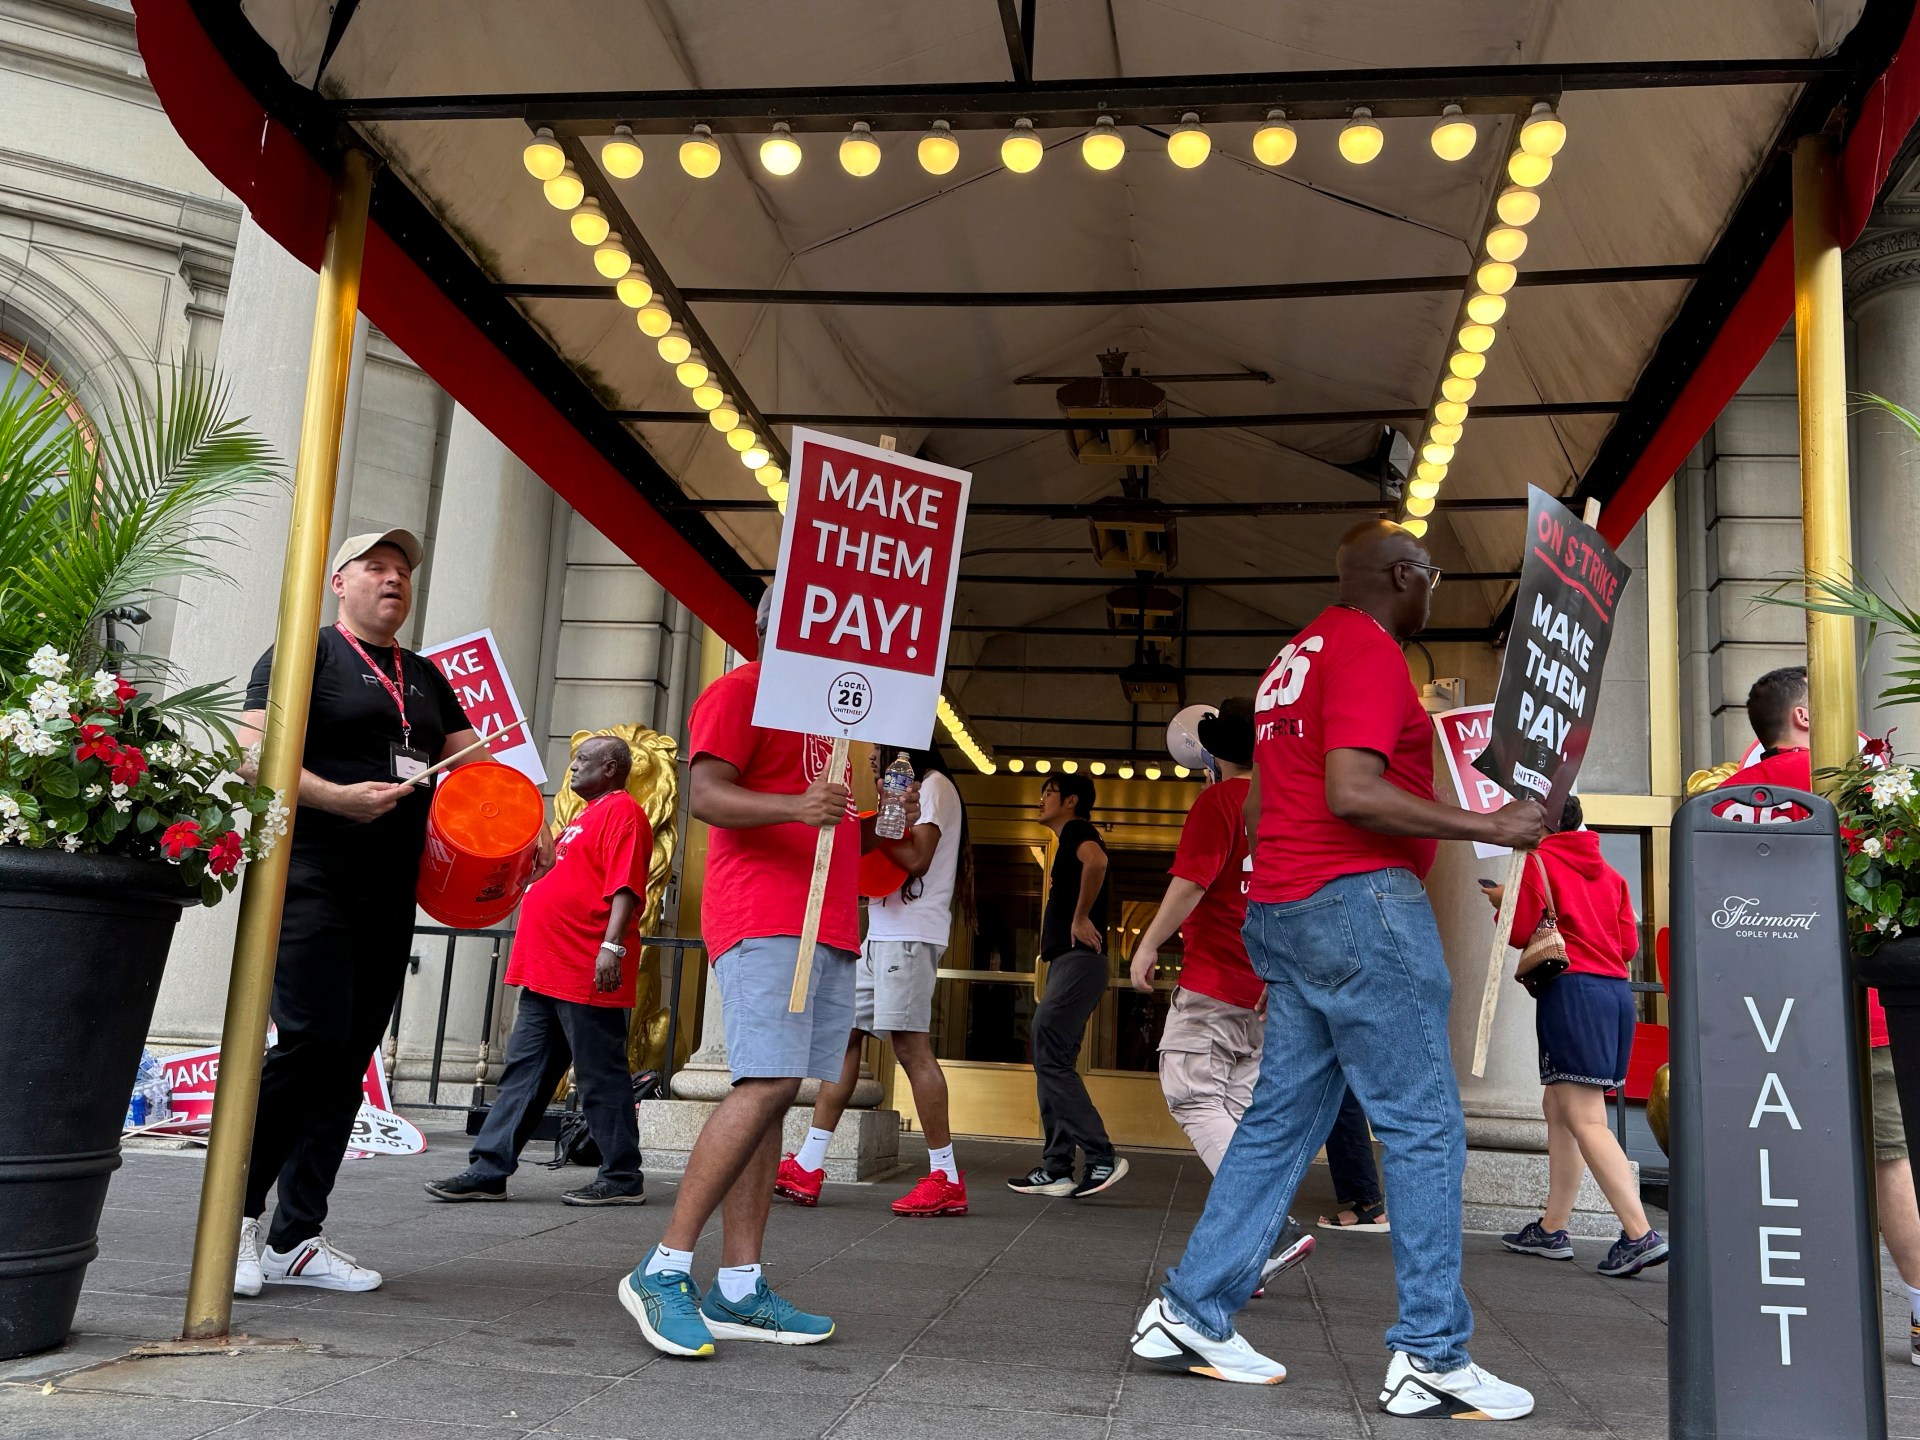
column 633, row 288
column 589, row 223
column 741, row 438
column 1152, row 772
column 1487, row 309
column 756, row 458
column 692, row 371
column 1454, row 137
column 1506, row 242
column 1416, row 528
column 1544, row 132
column 1444, row 434
column 777, row 492
column 1496, row 277
column 1517, row 206
column 565, row 190
column 1450, row 412
column 769, row 475
column 674, row 346
column 1527, row 170
column 709, row 395
column 1180, row 772
column 1042, row 766
column 1428, row 471
column 1096, row 767
column 723, row 417
column 543, row 157
column 654, row 320
column 1104, row 147
column 699, row 154
column 1477, row 338
column 611, row 259
column 1016, row 765
column 938, row 151
column 1360, row 139
column 622, row 157
column 1125, row 772
column 1275, row 141
column 780, row 152
column 1189, row 146
column 1458, row 388
column 1022, row 152
column 1436, row 454
column 859, row 151
column 1417, row 506
column 1466, row 364
column 1423, row 489
column 1069, row 767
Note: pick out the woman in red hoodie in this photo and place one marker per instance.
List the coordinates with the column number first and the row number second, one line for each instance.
column 1585, row 1026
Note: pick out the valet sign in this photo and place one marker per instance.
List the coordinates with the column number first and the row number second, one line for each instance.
column 857, row 640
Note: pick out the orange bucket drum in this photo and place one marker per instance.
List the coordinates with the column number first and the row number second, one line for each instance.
column 481, row 835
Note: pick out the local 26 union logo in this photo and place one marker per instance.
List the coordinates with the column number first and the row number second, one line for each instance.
column 849, row 697
column 1743, row 915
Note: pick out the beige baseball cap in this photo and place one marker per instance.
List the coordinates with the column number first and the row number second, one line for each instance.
column 405, row 541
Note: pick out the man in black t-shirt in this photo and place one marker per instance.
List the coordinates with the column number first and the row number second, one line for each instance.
column 1072, row 941
column 380, row 714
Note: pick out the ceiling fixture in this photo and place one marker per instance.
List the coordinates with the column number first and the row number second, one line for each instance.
column 1042, row 766
column 1423, row 489
column 1517, row 206
column 724, row 416
column 611, row 259
column 1419, row 506
column 1153, row 682
column 859, row 151
column 1275, row 141
column 699, row 154
column 1103, row 146
column 1467, row 364
column 1445, row 434
column 1450, row 412
column 1016, row 765
column 1189, row 146
column 1458, row 388
column 633, row 288
column 938, row 151
column 654, row 319
column 589, row 223
column 1477, row 338
column 769, row 475
column 1496, row 277
column 1022, row 152
column 1415, row 527
column 741, row 438
column 1097, row 767
column 692, row 371
column 1544, row 132
column 1427, row 470
column 565, row 190
column 1069, row 767
column 543, row 156
column 1487, row 309
column 674, row 346
column 780, row 152
column 1529, row 171
column 1454, row 137
column 755, row 457
column 708, row 395
column 622, row 157
column 1506, row 242
column 1361, row 140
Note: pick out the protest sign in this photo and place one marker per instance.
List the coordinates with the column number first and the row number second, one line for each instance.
column 473, row 666
column 1463, row 735
column 194, row 1075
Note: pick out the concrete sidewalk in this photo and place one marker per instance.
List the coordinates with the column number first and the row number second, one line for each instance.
column 499, row 1321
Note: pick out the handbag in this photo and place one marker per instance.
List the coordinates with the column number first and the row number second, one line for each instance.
column 1543, row 959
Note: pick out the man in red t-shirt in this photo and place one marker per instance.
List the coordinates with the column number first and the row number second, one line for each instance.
column 576, row 951
column 1342, row 808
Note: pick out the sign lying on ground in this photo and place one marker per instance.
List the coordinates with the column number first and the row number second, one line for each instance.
column 1463, row 735
column 194, row 1075
column 473, row 666
column 857, row 639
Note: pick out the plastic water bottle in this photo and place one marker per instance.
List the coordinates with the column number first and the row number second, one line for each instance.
column 159, row 1094
column 142, row 1078
column 890, row 821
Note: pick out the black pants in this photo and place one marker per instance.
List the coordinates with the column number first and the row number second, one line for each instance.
column 345, row 936
column 1356, row 1177
column 1075, row 983
column 548, row 1035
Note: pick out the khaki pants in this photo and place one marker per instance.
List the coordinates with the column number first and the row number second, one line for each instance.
column 1209, row 1059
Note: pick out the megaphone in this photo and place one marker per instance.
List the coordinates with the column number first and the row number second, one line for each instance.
column 1183, row 738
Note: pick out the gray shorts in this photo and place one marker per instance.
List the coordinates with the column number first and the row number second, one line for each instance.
column 893, row 987
column 765, row 1040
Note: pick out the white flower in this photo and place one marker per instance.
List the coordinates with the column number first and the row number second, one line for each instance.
column 118, row 790
column 40, row 743
column 1872, row 846
column 48, row 662
column 70, row 843
column 94, row 792
column 9, row 808
column 49, row 699
column 104, row 687
column 123, row 806
column 1892, row 785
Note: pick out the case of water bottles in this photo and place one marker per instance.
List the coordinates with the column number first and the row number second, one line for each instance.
column 152, row 1099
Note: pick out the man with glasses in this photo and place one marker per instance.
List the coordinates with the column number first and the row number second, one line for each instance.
column 1343, row 824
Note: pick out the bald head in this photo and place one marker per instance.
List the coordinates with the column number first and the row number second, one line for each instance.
column 1386, row 571
column 600, row 764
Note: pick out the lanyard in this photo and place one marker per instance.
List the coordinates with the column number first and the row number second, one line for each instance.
column 396, row 688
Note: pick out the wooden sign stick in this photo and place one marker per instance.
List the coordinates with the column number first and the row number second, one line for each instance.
column 816, row 890
column 459, row 755
column 1503, row 926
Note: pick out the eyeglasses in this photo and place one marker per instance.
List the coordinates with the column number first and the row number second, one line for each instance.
column 1433, row 571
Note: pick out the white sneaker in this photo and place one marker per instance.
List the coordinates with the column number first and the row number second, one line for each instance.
column 1468, row 1393
column 318, row 1264
column 247, row 1278
column 1178, row 1346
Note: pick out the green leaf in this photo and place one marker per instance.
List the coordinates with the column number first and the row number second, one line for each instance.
column 147, row 820
column 60, row 780
column 210, row 890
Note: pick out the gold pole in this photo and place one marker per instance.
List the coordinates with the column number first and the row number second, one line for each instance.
column 1819, row 348
column 693, row 863
column 243, row 1036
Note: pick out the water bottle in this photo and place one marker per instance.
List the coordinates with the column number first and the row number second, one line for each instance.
column 890, row 821
column 137, row 1104
column 159, row 1091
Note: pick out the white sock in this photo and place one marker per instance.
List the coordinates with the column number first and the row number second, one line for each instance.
column 664, row 1259
column 813, row 1154
column 1913, row 1294
column 737, row 1282
column 942, row 1160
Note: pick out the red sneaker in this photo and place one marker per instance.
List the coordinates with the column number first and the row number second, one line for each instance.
column 935, row 1195
column 798, row 1185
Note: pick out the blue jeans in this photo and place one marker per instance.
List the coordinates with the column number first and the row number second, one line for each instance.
column 1357, row 998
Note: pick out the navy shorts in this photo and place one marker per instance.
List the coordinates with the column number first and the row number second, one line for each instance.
column 1585, row 1027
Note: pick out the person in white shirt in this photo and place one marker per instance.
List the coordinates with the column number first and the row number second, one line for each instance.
column 907, row 933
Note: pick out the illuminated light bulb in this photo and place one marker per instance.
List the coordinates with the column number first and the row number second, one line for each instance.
column 709, row 395
column 1450, row 412
column 543, row 156
column 1126, row 772
column 1423, row 489
column 1466, row 364
column 1022, row 152
column 654, row 319
column 1360, row 139
column 1495, row 277
column 859, row 151
column 1275, row 141
column 1517, row 206
column 622, row 157
column 1097, row 767
column 724, row 416
column 754, row 457
column 1486, row 309
column 692, row 371
column 611, row 259
column 1476, row 338
column 1069, row 767
column 1042, row 766
column 780, row 152
column 1180, row 772
column 777, row 492
column 565, row 190
column 1417, row 506
column 1103, row 148
column 1189, row 146
column 1416, row 528
column 589, row 223
column 1444, row 434
column 1016, row 765
column 1527, row 170
column 769, row 475
column 674, row 346
column 1458, row 388
column 938, row 151
column 1506, row 242
column 1544, row 132
column 1436, row 454
column 699, row 154
column 1152, row 772
column 633, row 288
column 1454, row 137
column 741, row 438
column 1427, row 470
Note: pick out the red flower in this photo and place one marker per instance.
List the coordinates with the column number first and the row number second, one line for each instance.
column 96, row 744
column 123, row 690
column 1878, row 753
column 178, row 839
column 225, row 854
column 128, row 766
column 1852, row 837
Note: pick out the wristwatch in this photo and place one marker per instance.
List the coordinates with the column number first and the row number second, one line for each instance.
column 619, row 950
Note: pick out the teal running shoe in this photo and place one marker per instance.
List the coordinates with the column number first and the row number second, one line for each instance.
column 763, row 1315
column 667, row 1306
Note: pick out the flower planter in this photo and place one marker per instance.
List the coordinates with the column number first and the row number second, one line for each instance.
column 83, row 942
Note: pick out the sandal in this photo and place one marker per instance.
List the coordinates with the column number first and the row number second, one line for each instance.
column 1368, row 1219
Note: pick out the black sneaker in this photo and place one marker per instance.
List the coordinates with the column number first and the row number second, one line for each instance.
column 1100, row 1175
column 1533, row 1238
column 1041, row 1181
column 469, row 1185
column 603, row 1192
column 1630, row 1257
column 1293, row 1246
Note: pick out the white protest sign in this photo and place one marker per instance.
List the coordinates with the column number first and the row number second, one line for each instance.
column 857, row 640
column 473, row 666
column 1463, row 735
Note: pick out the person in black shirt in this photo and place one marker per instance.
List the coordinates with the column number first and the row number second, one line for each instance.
column 380, row 714
column 1073, row 943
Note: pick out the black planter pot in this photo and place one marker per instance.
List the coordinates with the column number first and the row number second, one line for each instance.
column 1895, row 966
column 83, row 942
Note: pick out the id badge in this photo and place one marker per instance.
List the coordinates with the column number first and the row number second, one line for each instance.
column 408, row 761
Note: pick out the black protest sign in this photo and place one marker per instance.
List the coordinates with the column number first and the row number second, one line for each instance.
column 1570, row 588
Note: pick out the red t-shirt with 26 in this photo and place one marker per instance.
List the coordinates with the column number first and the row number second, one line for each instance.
column 1213, row 855
column 756, row 882
column 1341, row 685
column 564, row 916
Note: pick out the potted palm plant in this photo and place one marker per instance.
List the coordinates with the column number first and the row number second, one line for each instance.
column 119, row 801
